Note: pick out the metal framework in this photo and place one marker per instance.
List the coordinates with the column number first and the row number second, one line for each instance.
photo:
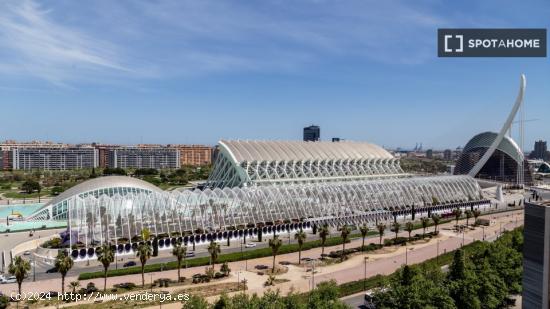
column 245, row 163
column 110, row 219
column 499, row 137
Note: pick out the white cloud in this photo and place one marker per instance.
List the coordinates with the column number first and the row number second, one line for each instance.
column 37, row 45
column 128, row 40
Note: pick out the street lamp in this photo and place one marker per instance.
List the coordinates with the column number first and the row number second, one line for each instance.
column 437, row 254
column 365, row 274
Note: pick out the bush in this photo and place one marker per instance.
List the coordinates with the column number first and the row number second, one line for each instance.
column 396, row 241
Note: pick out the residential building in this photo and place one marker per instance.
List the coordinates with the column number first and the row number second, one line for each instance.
column 53, row 158
column 158, row 157
column 536, row 255
column 195, row 155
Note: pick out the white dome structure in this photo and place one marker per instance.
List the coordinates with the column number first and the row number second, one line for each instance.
column 56, row 209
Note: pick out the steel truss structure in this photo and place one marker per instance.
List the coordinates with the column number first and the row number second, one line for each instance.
column 219, row 213
column 245, row 163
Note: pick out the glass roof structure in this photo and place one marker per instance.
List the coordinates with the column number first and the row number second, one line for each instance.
column 56, row 209
column 107, row 219
column 503, row 163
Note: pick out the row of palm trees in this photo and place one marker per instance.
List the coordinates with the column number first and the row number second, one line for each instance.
column 106, row 255
column 275, row 243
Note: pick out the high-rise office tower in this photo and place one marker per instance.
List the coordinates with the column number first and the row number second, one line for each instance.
column 312, row 133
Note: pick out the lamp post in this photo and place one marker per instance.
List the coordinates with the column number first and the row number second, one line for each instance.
column 365, row 274
column 33, row 268
column 312, row 273
column 437, row 251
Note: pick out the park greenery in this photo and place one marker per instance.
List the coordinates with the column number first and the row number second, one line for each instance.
column 19, row 184
column 324, row 296
column 481, row 278
column 423, row 165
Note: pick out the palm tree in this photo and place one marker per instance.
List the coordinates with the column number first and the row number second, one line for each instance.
column 468, row 214
column 63, row 263
column 323, row 233
column 145, row 234
column 409, row 227
column 214, row 250
column 364, row 229
column 300, row 237
column 19, row 268
column 425, row 222
column 74, row 285
column 396, row 226
column 105, row 256
column 457, row 212
column 179, row 252
column 436, row 218
column 344, row 233
column 381, row 228
column 476, row 213
column 275, row 243
column 144, row 252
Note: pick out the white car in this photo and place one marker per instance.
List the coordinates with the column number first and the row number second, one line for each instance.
column 250, row 245
column 27, row 253
column 11, row 279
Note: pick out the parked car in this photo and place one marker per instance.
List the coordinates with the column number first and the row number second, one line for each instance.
column 190, row 254
column 250, row 245
column 51, row 270
column 27, row 253
column 11, row 279
column 129, row 263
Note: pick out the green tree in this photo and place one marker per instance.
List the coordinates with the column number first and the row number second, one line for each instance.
column 381, row 228
column 425, row 222
column 457, row 269
column 29, row 186
column 179, row 252
column 195, row 302
column 275, row 244
column 63, row 263
column 19, row 268
column 344, row 233
column 395, row 228
column 457, row 213
column 468, row 214
column 145, row 234
column 225, row 269
column 436, row 219
column 300, row 236
column 323, row 234
column 364, row 229
column 214, row 251
column 409, row 227
column 144, row 253
column 476, row 214
column 73, row 285
column 105, row 256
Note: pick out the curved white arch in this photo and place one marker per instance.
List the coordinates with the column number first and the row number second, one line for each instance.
column 503, row 130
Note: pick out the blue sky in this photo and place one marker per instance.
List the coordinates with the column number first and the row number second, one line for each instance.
column 198, row 71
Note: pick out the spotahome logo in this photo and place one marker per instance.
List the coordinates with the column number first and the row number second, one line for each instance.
column 491, row 42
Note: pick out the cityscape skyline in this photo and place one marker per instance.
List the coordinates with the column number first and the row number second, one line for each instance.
column 142, row 74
